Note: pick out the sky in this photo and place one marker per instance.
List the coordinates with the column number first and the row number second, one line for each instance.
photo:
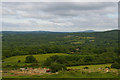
column 59, row 16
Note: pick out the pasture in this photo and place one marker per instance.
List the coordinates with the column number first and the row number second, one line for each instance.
column 40, row 58
column 81, row 73
column 93, row 67
column 103, row 68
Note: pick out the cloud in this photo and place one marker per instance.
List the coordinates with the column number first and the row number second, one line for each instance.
column 62, row 16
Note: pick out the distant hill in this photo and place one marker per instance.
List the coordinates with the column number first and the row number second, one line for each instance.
column 89, row 31
column 23, row 32
column 43, row 31
column 28, row 42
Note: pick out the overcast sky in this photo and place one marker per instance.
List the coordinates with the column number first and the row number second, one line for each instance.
column 59, row 16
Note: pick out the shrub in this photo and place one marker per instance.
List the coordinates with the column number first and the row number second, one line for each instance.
column 55, row 67
column 15, row 66
column 118, row 60
column 56, row 59
column 85, row 68
column 19, row 61
column 8, row 65
column 47, row 62
column 107, row 67
column 34, row 65
column 115, row 65
column 89, row 59
column 30, row 59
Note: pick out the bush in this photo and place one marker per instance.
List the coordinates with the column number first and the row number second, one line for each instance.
column 107, row 67
column 34, row 65
column 47, row 62
column 55, row 67
column 85, row 68
column 115, row 65
column 15, row 66
column 30, row 59
column 19, row 61
column 56, row 59
column 118, row 60
column 88, row 59
column 8, row 65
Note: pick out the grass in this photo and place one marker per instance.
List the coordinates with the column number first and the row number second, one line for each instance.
column 79, row 74
column 78, row 42
column 92, row 72
column 70, row 74
column 93, row 67
column 40, row 58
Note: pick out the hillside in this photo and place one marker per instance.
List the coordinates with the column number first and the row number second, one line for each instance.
column 76, row 50
column 40, row 58
column 22, row 43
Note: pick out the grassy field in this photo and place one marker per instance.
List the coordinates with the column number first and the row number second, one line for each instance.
column 93, row 71
column 78, row 74
column 40, row 58
column 70, row 74
column 81, row 73
column 93, row 67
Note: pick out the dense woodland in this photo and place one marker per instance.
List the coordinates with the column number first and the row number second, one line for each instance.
column 83, row 47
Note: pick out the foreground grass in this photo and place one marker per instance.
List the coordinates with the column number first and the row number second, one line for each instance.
column 92, row 72
column 79, row 74
column 70, row 74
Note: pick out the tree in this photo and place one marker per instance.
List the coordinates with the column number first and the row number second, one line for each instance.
column 55, row 67
column 89, row 58
column 54, row 59
column 61, row 60
column 115, row 65
column 118, row 60
column 30, row 59
column 47, row 62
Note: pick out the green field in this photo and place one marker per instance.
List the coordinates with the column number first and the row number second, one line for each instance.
column 78, row 74
column 92, row 72
column 40, row 58
column 93, row 67
column 71, row 74
column 81, row 73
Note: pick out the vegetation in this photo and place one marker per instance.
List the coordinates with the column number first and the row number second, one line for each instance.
column 57, row 51
column 92, row 67
column 80, row 73
column 76, row 60
column 27, row 43
column 11, row 61
column 30, row 59
column 55, row 67
column 116, row 64
column 71, row 74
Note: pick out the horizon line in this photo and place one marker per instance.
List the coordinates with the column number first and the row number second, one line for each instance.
column 54, row 31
